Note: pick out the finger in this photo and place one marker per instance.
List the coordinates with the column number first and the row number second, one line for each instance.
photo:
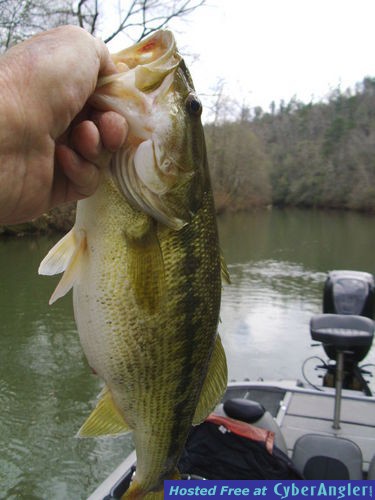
column 83, row 175
column 107, row 66
column 113, row 129
column 85, row 140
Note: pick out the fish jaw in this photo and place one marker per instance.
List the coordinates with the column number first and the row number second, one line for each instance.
column 152, row 59
column 145, row 76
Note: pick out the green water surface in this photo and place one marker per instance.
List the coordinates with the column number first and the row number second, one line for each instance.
column 278, row 262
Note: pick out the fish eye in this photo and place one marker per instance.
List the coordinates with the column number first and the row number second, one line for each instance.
column 193, row 105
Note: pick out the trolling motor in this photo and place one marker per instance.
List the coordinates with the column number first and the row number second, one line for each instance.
column 349, row 293
column 346, row 331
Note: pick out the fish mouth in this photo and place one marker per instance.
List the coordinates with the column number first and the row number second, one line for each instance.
column 151, row 60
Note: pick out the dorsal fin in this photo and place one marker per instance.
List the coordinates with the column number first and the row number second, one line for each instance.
column 214, row 385
column 225, row 276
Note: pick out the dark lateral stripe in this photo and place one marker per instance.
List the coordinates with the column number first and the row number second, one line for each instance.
column 190, row 303
column 193, row 326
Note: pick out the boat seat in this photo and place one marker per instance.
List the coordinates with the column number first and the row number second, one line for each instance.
column 371, row 469
column 253, row 413
column 244, row 409
column 319, row 456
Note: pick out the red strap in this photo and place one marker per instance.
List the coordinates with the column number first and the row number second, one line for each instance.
column 244, row 429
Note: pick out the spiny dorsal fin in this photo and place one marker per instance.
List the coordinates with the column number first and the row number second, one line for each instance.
column 105, row 420
column 146, row 270
column 215, row 384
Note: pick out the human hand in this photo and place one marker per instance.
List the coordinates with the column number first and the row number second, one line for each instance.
column 53, row 144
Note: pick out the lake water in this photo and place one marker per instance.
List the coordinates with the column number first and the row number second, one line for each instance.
column 278, row 262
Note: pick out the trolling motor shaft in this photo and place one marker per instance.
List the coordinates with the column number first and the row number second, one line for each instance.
column 339, row 381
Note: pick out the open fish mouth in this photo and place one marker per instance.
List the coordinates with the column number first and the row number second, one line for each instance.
column 152, row 59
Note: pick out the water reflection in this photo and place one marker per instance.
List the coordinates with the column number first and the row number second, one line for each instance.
column 277, row 261
column 46, row 388
column 268, row 309
column 317, row 240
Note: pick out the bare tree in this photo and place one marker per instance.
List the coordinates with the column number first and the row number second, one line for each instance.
column 20, row 19
column 86, row 13
column 143, row 17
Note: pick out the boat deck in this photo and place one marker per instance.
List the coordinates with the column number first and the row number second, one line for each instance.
column 299, row 410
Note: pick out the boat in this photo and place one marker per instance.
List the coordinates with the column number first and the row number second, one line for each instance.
column 327, row 431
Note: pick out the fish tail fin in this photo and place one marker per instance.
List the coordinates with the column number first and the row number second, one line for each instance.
column 135, row 490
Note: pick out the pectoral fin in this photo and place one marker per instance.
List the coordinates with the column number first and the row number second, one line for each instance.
column 65, row 256
column 215, row 384
column 57, row 259
column 105, row 420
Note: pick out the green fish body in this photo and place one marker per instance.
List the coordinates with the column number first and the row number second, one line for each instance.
column 144, row 263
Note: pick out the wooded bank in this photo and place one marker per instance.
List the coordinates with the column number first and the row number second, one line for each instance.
column 311, row 155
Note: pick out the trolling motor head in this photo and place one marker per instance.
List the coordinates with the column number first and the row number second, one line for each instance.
column 349, row 292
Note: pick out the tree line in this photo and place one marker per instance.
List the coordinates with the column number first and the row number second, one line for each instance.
column 308, row 155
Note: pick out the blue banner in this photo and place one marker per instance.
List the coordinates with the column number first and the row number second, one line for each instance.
column 278, row 490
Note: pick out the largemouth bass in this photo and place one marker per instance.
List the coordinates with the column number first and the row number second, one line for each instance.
column 144, row 263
